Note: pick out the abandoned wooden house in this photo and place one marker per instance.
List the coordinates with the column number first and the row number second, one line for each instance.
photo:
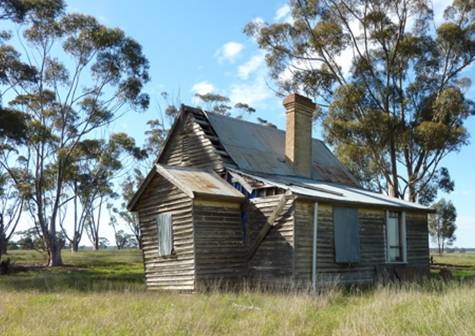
column 230, row 200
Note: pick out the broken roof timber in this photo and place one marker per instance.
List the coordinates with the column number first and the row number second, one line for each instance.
column 198, row 182
column 333, row 192
column 191, row 181
column 258, row 148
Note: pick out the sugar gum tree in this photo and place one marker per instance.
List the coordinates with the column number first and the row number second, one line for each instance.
column 87, row 75
column 389, row 83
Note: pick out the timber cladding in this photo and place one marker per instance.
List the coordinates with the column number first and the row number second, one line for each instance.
column 372, row 244
column 417, row 239
column 211, row 241
column 273, row 259
column 220, row 250
column 176, row 271
column 191, row 147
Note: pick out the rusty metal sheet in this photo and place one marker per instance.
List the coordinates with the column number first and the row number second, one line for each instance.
column 198, row 182
column 259, row 148
column 333, row 192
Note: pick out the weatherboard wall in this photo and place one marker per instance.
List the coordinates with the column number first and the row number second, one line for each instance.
column 190, row 146
column 372, row 244
column 176, row 271
column 417, row 233
column 273, row 260
column 220, row 251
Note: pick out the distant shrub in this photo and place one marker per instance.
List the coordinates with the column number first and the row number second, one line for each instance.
column 5, row 266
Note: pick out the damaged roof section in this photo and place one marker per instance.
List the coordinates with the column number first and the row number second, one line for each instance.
column 193, row 182
column 198, row 182
column 261, row 149
column 328, row 191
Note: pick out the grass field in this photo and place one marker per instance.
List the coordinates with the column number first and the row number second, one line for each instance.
column 102, row 293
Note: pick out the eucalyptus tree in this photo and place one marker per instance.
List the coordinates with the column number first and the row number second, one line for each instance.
column 11, row 207
column 93, row 179
column 87, row 75
column 129, row 187
column 442, row 224
column 12, row 123
column 389, row 81
column 221, row 104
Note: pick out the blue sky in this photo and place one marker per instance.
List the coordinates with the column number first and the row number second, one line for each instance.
column 198, row 46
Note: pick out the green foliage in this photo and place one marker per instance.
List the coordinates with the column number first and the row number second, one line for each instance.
column 125, row 240
column 84, row 76
column 442, row 224
column 222, row 105
column 16, row 9
column 390, row 85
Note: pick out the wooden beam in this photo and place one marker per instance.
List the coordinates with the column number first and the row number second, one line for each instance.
column 268, row 225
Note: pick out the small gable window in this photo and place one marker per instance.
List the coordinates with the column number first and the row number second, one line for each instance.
column 347, row 235
column 395, row 237
column 165, row 234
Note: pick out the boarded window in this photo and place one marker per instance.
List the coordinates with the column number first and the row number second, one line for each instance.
column 165, row 234
column 347, row 235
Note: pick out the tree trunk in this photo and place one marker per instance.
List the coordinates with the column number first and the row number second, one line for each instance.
column 54, row 253
column 3, row 240
column 3, row 245
column 75, row 246
column 439, row 243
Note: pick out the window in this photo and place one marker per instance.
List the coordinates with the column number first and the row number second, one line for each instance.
column 395, row 237
column 347, row 235
column 165, row 234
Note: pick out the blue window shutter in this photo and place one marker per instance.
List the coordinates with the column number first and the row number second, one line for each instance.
column 347, row 235
column 165, row 234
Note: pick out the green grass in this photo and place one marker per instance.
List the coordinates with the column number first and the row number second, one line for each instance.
column 84, row 271
column 102, row 293
column 462, row 265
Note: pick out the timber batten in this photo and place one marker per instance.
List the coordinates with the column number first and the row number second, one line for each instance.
column 273, row 260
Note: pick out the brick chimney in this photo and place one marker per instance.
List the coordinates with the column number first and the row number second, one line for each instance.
column 298, row 135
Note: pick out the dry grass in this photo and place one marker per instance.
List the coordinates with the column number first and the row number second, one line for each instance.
column 432, row 308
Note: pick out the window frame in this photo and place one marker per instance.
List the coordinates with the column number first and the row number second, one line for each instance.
column 402, row 237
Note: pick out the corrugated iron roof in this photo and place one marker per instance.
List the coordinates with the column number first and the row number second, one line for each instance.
column 260, row 148
column 322, row 190
column 197, row 182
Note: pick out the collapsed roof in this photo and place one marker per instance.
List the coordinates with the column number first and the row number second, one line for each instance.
column 257, row 151
column 259, row 148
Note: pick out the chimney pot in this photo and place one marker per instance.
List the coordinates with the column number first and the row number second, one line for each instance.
column 298, row 134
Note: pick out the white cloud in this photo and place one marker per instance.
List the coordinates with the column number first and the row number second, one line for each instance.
column 202, row 88
column 229, row 51
column 253, row 92
column 258, row 21
column 251, row 66
column 283, row 13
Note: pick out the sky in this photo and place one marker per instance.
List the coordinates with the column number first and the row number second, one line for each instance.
column 198, row 46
